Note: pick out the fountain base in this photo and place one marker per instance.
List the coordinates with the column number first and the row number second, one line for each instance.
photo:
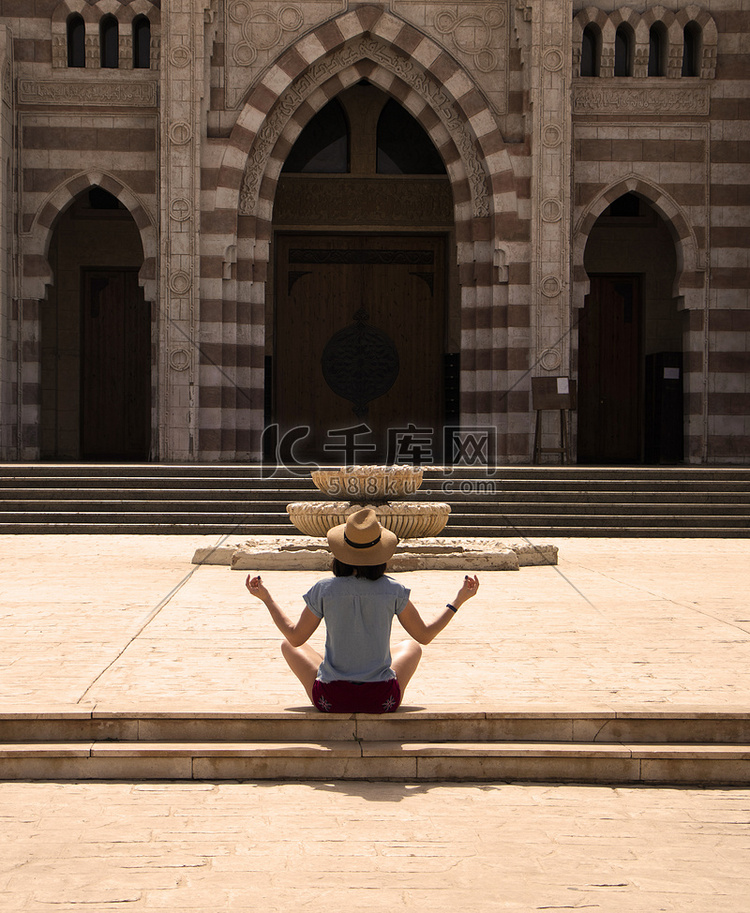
column 302, row 553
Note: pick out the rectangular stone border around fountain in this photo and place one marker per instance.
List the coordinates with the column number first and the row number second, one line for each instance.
column 303, row 553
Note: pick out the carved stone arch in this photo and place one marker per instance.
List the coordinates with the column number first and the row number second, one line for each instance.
column 110, row 8
column 393, row 45
column 258, row 190
column 626, row 22
column 690, row 273
column 125, row 14
column 656, row 14
column 626, row 16
column 65, row 8
column 641, row 40
column 146, row 8
column 694, row 13
column 708, row 32
column 587, row 16
column 590, row 16
column 37, row 271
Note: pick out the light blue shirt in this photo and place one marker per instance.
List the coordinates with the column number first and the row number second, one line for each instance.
column 358, row 614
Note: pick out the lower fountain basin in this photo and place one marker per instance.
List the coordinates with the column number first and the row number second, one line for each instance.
column 407, row 519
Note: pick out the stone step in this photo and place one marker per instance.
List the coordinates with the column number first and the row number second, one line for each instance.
column 698, row 747
column 468, row 498
column 611, row 763
column 528, row 724
column 230, row 519
column 217, row 499
column 479, row 511
column 646, row 528
column 260, row 471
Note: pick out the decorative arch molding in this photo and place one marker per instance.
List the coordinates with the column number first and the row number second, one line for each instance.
column 37, row 272
column 391, row 73
column 689, row 283
column 393, row 46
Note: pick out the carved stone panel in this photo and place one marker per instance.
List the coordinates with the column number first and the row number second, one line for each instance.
column 645, row 99
column 550, row 94
column 133, row 93
column 257, row 33
column 476, row 34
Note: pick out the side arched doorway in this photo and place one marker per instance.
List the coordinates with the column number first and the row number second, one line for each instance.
column 96, row 337
column 359, row 331
column 630, row 392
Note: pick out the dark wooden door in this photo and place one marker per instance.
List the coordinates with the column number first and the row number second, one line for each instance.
column 115, row 366
column 359, row 336
column 610, row 372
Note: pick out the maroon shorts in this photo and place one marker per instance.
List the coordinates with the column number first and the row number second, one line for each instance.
column 357, row 697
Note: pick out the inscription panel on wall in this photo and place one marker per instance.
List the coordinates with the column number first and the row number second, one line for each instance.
column 648, row 99
column 84, row 92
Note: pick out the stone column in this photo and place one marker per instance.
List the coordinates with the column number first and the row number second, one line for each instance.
column 9, row 322
column 551, row 185
column 182, row 86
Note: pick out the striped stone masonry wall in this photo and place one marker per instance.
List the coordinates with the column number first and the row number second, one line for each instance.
column 194, row 146
column 9, row 363
column 682, row 144
column 728, row 348
column 76, row 128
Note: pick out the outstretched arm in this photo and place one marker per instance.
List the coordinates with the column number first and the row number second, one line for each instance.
column 296, row 633
column 423, row 633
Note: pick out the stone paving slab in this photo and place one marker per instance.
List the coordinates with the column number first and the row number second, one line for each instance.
column 123, row 622
column 372, row 848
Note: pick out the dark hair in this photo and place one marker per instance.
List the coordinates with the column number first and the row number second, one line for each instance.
column 368, row 571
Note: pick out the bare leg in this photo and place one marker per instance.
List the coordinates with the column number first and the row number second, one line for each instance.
column 405, row 658
column 304, row 662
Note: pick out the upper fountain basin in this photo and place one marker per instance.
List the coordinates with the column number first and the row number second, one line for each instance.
column 373, row 483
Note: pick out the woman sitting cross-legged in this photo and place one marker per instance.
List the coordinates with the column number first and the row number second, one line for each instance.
column 358, row 672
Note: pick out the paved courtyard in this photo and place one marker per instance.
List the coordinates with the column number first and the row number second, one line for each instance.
column 118, row 621
column 128, row 621
column 371, row 848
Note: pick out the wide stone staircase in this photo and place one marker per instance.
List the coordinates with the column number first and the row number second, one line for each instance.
column 251, row 500
column 645, row 746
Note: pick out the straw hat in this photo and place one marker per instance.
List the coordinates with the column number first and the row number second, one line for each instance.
column 362, row 541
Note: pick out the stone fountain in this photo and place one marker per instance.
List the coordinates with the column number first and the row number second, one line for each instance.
column 416, row 523
column 378, row 487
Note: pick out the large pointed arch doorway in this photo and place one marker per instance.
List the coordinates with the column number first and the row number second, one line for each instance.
column 630, row 408
column 96, row 337
column 359, row 324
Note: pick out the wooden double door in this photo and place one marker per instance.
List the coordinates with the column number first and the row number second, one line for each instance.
column 610, row 372
column 359, row 342
column 115, row 394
